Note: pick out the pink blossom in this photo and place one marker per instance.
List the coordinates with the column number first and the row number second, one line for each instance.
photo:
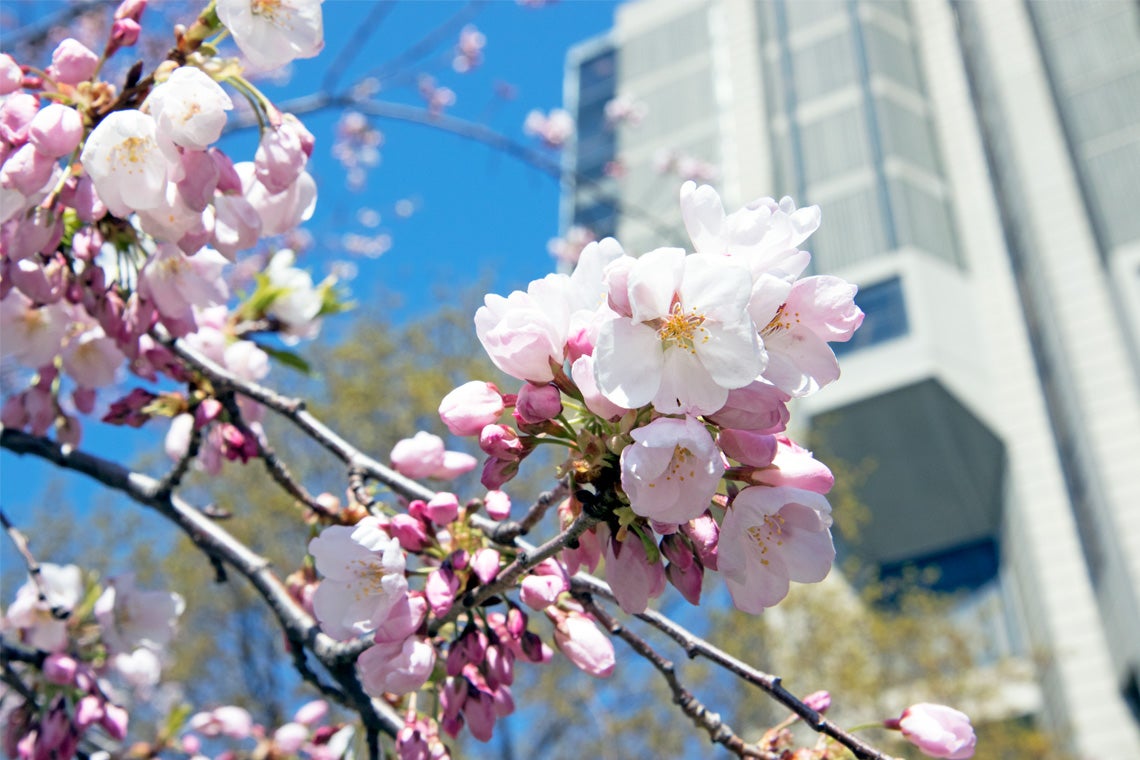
column 937, row 730
column 11, row 77
column 747, row 447
column 502, row 442
column 455, row 463
column 290, row 737
column 538, row 403
column 546, row 582
column 129, row 617
column 227, row 720
column 817, row 310
column 72, row 62
column 311, row 713
column 403, row 619
column 279, row 212
column 498, row 505
column 671, row 470
column 794, row 466
column 688, row 339
column 33, row 618
column 92, row 358
column 364, row 577
column 579, row 638
column 471, row 406
column 485, row 564
column 526, row 331
column 469, row 51
column 27, row 170
column 122, row 157
column 282, row 154
column 271, row 36
column 175, row 283
column 442, row 508
column 634, row 579
column 759, row 407
column 115, row 720
column 769, row 537
column 397, row 668
column 32, row 336
column 237, row 225
column 56, row 130
column 16, row 114
column 418, row 456
column 440, row 589
column 554, row 128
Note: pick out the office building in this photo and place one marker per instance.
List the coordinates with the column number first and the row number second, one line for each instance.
column 978, row 168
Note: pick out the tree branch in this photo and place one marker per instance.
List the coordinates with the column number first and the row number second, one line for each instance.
column 217, row 543
column 702, row 717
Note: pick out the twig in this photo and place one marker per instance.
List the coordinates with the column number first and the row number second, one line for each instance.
column 701, row 716
column 506, row 532
column 58, row 611
column 173, row 479
column 695, row 646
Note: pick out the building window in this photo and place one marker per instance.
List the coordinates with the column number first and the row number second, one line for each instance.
column 885, row 319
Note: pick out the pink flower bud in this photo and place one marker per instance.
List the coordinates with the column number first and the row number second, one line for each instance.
column 114, row 721
column 60, row 669
column 501, row 441
column 27, row 170
column 617, row 285
column 470, row 407
column 72, row 62
column 409, row 531
column 704, row 533
column 538, row 403
column 541, row 591
column 497, row 472
column 56, row 130
column 88, row 710
column 761, row 407
column 516, row 622
column 440, row 590
column 208, row 411
column 584, row 644
column 290, row 737
column 124, row 33
column 796, row 467
column 634, row 579
column 497, row 504
column 480, row 714
column 443, row 508
column 818, row 701
column 485, row 564
column 937, row 730
column 455, row 463
column 687, row 580
column 282, row 154
column 16, row 114
column 79, row 193
column 747, row 447
column 419, row 456
column 132, row 9
column 11, row 77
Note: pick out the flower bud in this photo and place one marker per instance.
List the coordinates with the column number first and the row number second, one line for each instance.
column 470, row 407
column 818, row 701
column 409, row 531
column 538, row 403
column 419, row 456
column 60, row 669
column 498, row 505
column 747, row 447
column 56, row 130
column 485, row 564
column 440, row 589
column 11, row 77
column 937, row 730
column 497, row 472
column 124, row 33
column 584, row 644
column 72, row 62
column 501, row 441
column 443, row 508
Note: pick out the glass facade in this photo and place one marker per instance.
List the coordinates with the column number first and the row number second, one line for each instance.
column 594, row 197
column 884, row 310
column 1091, row 52
column 850, row 129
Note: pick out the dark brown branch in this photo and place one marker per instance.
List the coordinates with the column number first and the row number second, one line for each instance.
column 718, row 731
column 217, row 543
column 506, row 532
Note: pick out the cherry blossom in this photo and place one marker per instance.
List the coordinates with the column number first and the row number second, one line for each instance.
column 175, row 283
column 524, row 332
column 686, row 338
column 32, row 336
column 470, row 407
column 271, row 33
column 396, row 668
column 364, row 577
column 189, row 108
column 63, row 588
column 129, row 618
column 769, row 537
column 300, row 303
column 937, row 730
column 123, row 159
column 579, row 638
column 672, row 469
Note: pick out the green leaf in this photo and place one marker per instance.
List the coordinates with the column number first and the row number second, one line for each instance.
column 288, row 358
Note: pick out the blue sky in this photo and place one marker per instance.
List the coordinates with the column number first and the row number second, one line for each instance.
column 478, row 212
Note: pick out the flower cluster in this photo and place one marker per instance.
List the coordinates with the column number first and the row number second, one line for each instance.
column 120, row 217
column 95, row 658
